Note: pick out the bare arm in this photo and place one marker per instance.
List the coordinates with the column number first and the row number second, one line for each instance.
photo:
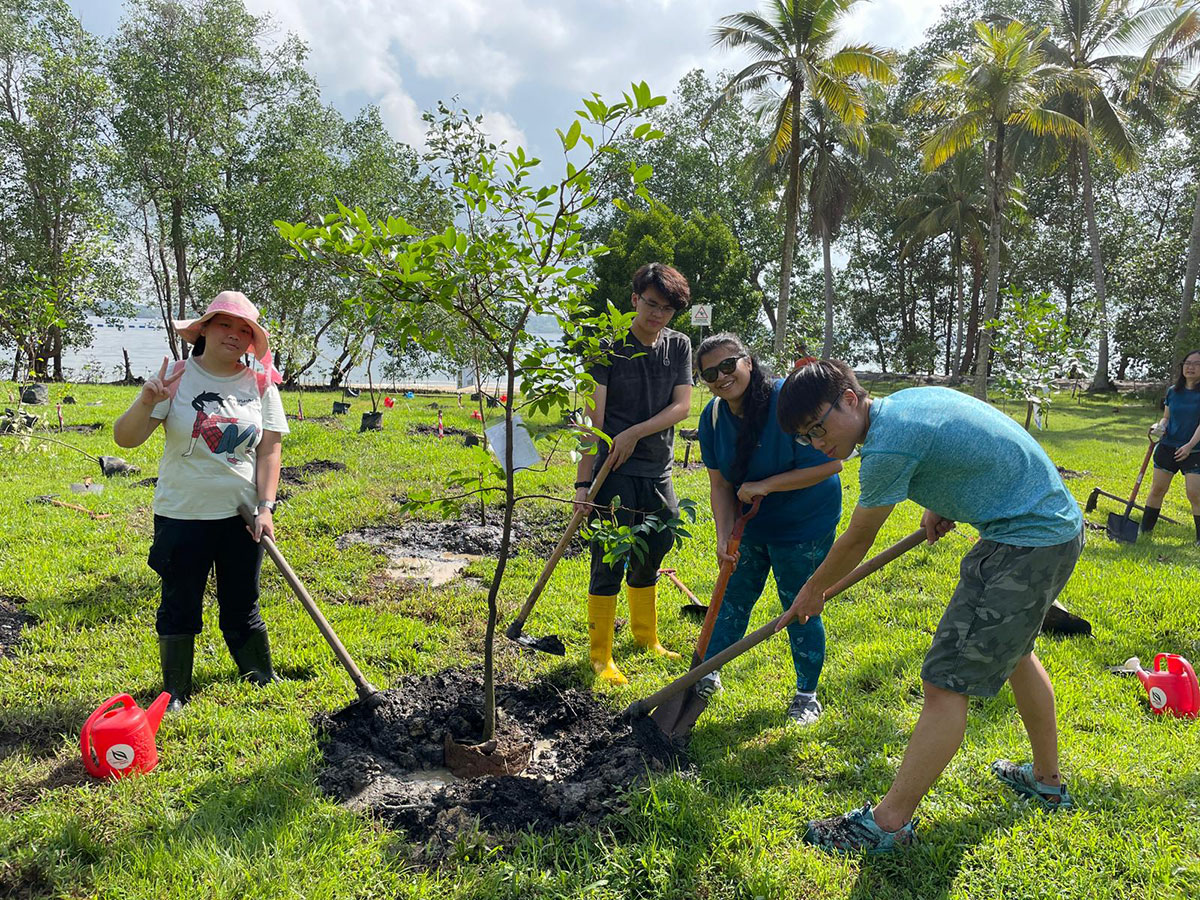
column 266, row 478
column 791, row 480
column 724, row 510
column 136, row 424
column 594, row 411
column 671, row 414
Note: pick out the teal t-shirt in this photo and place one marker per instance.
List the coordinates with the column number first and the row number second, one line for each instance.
column 966, row 461
column 1185, row 416
column 784, row 517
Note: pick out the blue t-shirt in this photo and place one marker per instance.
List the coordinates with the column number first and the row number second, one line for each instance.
column 1185, row 416
column 784, row 517
column 966, row 461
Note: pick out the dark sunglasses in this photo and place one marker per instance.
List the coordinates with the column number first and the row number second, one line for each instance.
column 724, row 367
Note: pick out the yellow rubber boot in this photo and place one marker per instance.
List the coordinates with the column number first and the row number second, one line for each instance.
column 643, row 620
column 601, row 613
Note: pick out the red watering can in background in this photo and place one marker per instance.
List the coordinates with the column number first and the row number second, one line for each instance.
column 116, row 742
column 1173, row 687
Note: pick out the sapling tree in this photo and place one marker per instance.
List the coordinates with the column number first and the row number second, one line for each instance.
column 1033, row 346
column 516, row 249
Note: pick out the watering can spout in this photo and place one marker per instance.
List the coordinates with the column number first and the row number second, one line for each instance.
column 155, row 713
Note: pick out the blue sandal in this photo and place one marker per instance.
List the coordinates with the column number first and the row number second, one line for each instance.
column 1021, row 780
column 857, row 832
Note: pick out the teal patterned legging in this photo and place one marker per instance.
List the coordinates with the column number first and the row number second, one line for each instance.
column 792, row 565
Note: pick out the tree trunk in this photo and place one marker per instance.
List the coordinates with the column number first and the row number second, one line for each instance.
column 958, row 302
column 181, row 273
column 1101, row 380
column 827, row 343
column 56, row 344
column 1183, row 331
column 792, row 211
column 993, row 272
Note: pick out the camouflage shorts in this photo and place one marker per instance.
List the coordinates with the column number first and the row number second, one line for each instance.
column 995, row 614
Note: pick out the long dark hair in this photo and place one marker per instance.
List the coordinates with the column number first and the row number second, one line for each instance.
column 756, row 402
column 1181, row 382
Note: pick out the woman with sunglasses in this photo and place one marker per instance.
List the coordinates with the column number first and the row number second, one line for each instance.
column 1179, row 429
column 748, row 455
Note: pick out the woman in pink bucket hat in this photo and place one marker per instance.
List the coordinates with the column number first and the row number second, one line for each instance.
column 223, row 423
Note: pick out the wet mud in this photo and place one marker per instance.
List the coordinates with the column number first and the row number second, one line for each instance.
column 312, row 468
column 13, row 620
column 388, row 761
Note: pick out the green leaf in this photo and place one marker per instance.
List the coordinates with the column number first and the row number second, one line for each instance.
column 572, row 136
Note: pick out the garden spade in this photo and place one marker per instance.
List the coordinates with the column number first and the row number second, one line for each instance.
column 676, row 710
column 680, row 724
column 552, row 643
column 1122, row 528
column 367, row 694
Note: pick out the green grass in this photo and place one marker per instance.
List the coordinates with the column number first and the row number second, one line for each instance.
column 233, row 809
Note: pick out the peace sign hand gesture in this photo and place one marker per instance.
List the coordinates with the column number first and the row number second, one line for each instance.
column 158, row 388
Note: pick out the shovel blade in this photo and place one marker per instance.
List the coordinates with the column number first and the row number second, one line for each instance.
column 677, row 715
column 695, row 610
column 1091, row 500
column 1122, row 529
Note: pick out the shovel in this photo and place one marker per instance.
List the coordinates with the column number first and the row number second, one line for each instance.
column 677, row 709
column 1122, row 528
column 552, row 643
column 681, row 725
column 693, row 607
column 367, row 694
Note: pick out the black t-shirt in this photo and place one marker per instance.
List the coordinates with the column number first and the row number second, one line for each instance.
column 641, row 381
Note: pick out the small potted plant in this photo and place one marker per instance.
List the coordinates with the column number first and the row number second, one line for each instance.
column 373, row 420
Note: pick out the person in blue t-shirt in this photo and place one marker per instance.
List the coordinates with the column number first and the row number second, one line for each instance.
column 964, row 461
column 1179, row 429
column 748, row 456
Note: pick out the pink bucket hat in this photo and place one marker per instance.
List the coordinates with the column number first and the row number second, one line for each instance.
column 231, row 303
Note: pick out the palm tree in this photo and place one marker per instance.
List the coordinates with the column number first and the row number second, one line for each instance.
column 791, row 44
column 953, row 201
column 1175, row 46
column 1084, row 37
column 1001, row 86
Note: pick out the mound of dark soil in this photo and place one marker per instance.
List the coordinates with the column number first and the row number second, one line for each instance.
column 469, row 439
column 89, row 428
column 301, row 474
column 388, row 760
column 12, row 621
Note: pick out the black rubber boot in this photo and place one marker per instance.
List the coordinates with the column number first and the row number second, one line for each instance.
column 175, row 652
column 1058, row 621
column 253, row 659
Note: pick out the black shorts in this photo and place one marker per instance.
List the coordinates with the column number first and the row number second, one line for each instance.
column 1164, row 458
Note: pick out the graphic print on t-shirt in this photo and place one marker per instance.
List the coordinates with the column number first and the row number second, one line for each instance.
column 223, row 435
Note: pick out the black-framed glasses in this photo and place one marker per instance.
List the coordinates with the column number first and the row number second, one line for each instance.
column 724, row 367
column 653, row 307
column 817, row 431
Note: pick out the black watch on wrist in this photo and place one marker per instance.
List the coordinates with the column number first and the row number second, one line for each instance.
column 268, row 505
column 582, row 484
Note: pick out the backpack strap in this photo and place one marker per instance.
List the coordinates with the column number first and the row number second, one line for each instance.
column 177, row 367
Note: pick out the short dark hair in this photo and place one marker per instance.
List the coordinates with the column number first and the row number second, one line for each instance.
column 810, row 385
column 669, row 282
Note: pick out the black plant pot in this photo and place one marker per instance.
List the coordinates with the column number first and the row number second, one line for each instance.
column 339, row 408
column 372, row 421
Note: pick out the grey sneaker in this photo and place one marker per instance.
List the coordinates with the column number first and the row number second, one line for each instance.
column 1021, row 780
column 709, row 686
column 804, row 710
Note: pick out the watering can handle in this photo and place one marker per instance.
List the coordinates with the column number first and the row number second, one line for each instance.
column 1183, row 667
column 85, row 736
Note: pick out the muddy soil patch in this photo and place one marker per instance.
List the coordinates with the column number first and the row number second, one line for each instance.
column 388, row 761
column 90, row 428
column 1068, row 474
column 146, row 482
column 13, row 620
column 312, row 468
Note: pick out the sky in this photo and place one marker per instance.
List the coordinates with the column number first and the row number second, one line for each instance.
column 522, row 64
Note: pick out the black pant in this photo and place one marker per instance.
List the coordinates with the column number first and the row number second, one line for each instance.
column 183, row 552
column 640, row 497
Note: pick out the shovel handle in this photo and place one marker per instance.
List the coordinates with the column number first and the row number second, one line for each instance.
column 361, row 684
column 727, row 567
column 641, row 707
column 572, row 526
column 1137, row 485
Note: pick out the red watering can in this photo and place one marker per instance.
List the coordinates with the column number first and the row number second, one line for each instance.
column 1173, row 687
column 116, row 742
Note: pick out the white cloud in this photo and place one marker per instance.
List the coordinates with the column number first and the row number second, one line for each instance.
column 500, row 127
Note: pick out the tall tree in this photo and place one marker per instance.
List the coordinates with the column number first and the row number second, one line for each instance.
column 58, row 263
column 997, row 91
column 189, row 75
column 792, row 45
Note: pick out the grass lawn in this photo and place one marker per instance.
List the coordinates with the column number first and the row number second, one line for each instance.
column 233, row 809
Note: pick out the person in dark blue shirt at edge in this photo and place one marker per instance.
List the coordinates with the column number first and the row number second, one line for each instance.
column 1179, row 430
column 748, row 455
column 963, row 461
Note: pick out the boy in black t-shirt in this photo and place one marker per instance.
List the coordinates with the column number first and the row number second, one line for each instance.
column 643, row 390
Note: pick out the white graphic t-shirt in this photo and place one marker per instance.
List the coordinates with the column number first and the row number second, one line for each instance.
column 213, row 428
